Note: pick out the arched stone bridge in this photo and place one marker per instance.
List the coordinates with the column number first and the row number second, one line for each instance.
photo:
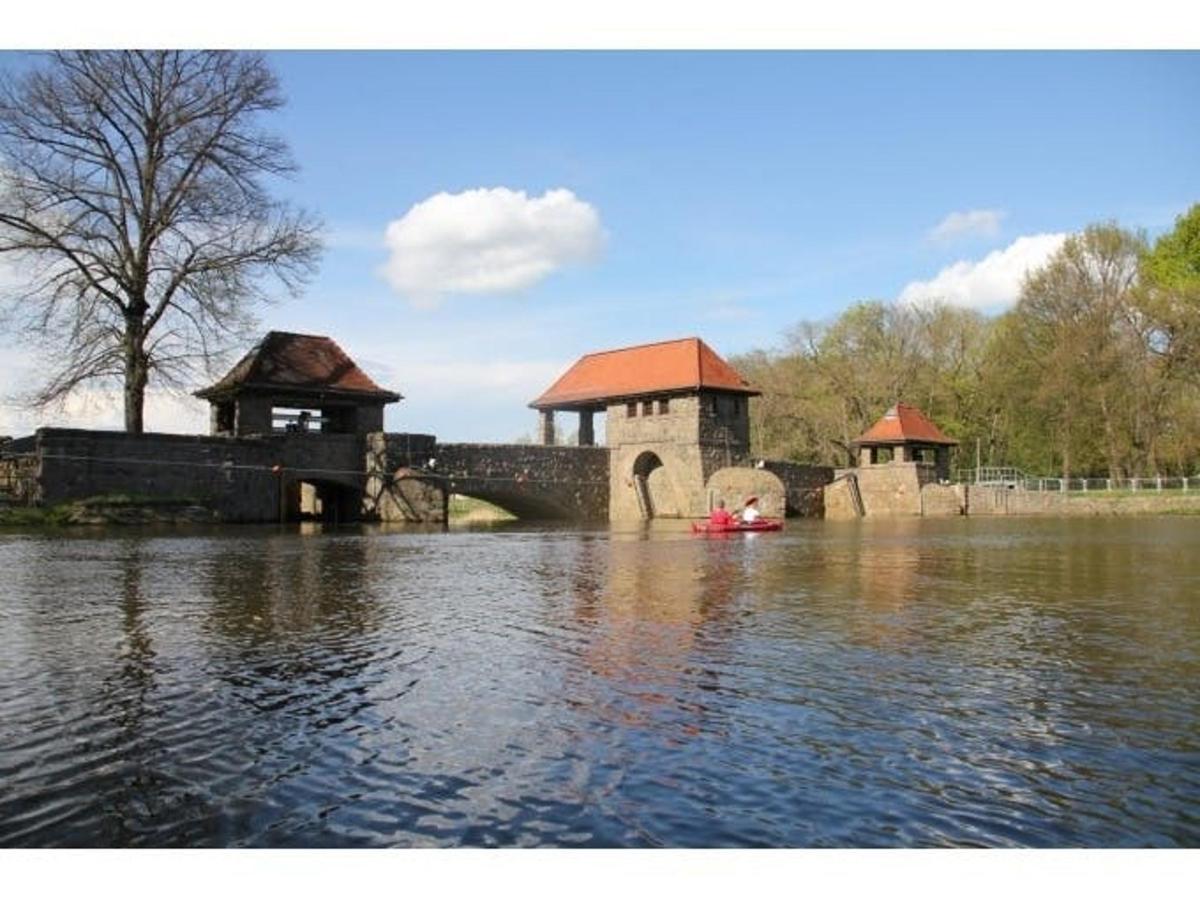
column 392, row 477
column 409, row 475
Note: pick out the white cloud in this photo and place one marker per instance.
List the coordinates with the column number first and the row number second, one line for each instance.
column 89, row 406
column 993, row 281
column 972, row 223
column 488, row 240
column 103, row 409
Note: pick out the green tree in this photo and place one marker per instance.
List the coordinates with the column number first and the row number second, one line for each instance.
column 1093, row 371
column 1080, row 359
column 1169, row 298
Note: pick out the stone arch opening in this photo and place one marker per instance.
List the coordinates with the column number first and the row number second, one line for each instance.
column 646, row 463
column 323, row 500
column 519, row 504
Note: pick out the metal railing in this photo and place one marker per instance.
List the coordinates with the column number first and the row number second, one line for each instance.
column 999, row 476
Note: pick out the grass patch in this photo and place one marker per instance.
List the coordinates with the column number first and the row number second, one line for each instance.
column 134, row 500
column 35, row 516
column 465, row 510
column 96, row 510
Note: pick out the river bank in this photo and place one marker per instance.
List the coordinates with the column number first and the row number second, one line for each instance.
column 1133, row 504
column 111, row 509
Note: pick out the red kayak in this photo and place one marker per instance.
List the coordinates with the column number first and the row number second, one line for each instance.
column 760, row 525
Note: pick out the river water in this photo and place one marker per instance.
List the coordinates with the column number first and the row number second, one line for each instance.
column 966, row 682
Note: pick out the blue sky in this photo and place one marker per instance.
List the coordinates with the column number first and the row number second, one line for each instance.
column 728, row 195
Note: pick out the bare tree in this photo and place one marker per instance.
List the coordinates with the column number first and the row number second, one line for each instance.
column 134, row 197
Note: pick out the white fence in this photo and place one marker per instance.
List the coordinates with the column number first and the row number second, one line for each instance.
column 1012, row 478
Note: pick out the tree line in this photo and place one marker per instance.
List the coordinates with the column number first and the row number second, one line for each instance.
column 1094, row 372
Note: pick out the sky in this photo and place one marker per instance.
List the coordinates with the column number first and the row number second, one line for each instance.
column 493, row 216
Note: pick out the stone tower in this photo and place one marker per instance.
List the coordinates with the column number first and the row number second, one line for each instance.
column 675, row 414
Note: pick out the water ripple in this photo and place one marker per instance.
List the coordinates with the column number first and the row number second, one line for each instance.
column 1007, row 683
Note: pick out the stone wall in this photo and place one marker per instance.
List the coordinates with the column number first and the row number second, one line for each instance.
column 1142, row 503
column 410, row 496
column 233, row 477
column 258, row 479
column 839, row 501
column 408, row 477
column 724, row 426
column 236, row 477
column 400, row 486
column 804, row 486
column 18, row 475
column 665, row 445
column 943, row 499
column 411, row 477
column 895, row 489
column 530, row 480
column 891, row 489
column 735, row 484
column 1003, row 501
column 698, row 435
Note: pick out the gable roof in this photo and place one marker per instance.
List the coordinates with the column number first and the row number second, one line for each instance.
column 300, row 363
column 686, row 364
column 904, row 424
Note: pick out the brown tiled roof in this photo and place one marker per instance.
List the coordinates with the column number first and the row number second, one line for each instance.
column 687, row 364
column 298, row 362
column 904, row 424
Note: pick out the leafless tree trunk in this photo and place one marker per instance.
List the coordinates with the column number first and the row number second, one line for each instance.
column 133, row 195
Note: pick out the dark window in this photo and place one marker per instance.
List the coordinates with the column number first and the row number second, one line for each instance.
column 647, row 407
column 664, row 406
column 630, row 410
column 225, row 418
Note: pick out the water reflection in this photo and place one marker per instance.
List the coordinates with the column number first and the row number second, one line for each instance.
column 272, row 589
column 126, row 699
column 875, row 684
column 661, row 606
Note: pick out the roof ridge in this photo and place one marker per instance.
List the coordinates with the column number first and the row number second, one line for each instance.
column 641, row 346
column 295, row 361
column 303, row 334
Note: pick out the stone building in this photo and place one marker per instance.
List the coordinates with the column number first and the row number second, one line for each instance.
column 676, row 415
column 903, row 434
column 303, row 387
column 903, row 469
column 296, row 382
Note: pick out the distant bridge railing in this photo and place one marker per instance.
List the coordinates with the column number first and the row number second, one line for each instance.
column 1018, row 480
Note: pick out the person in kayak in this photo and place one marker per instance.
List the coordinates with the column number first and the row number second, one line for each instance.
column 750, row 513
column 720, row 516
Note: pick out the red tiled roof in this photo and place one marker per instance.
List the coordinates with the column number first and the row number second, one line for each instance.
column 303, row 362
column 687, row 364
column 903, row 423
